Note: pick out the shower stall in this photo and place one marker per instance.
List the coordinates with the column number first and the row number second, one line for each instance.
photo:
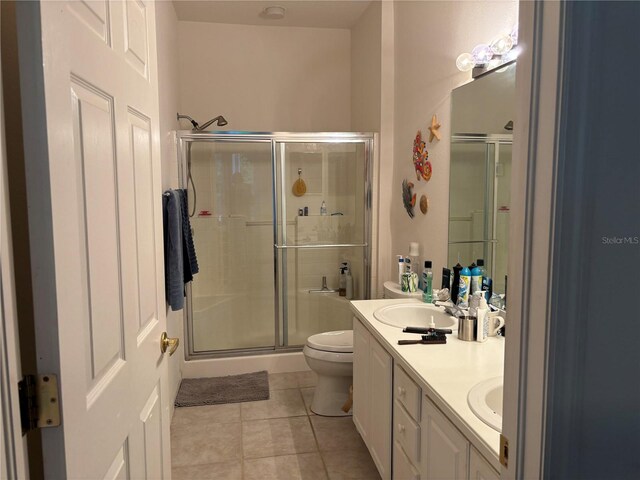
column 263, row 245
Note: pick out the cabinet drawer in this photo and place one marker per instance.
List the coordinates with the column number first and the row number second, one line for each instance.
column 406, row 432
column 407, row 393
column 402, row 468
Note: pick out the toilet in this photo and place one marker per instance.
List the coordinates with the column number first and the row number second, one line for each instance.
column 330, row 355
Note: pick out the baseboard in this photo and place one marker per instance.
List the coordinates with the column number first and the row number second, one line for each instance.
column 273, row 363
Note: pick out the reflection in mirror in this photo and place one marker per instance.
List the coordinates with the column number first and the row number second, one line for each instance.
column 480, row 173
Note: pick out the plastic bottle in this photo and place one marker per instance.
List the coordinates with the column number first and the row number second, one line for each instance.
column 487, row 287
column 349, row 280
column 465, row 283
column 482, row 327
column 455, row 284
column 400, row 268
column 427, row 282
column 476, row 276
column 323, row 208
column 342, row 289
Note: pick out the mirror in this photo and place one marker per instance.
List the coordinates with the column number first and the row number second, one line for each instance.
column 482, row 113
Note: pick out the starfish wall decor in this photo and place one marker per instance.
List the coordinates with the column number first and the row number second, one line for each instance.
column 433, row 129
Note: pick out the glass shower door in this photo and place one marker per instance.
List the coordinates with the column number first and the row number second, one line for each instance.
column 314, row 241
column 231, row 198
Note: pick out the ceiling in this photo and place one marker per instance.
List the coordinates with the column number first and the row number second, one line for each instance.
column 300, row 13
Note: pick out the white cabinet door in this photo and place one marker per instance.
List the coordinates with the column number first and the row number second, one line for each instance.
column 361, row 379
column 479, row 468
column 444, row 449
column 402, row 467
column 90, row 98
column 372, row 384
column 380, row 424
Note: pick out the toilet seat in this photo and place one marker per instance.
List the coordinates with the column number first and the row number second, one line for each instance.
column 337, row 342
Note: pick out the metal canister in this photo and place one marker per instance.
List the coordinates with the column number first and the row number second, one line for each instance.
column 467, row 328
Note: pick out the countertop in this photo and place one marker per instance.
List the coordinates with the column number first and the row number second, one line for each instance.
column 446, row 372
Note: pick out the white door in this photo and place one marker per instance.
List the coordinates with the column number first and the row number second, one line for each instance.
column 96, row 232
column 13, row 460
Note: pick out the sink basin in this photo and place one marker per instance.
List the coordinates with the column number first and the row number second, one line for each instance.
column 414, row 315
column 485, row 400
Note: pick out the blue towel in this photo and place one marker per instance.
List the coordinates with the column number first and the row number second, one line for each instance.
column 188, row 248
column 173, row 257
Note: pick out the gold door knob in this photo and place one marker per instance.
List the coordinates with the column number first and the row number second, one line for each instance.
column 168, row 343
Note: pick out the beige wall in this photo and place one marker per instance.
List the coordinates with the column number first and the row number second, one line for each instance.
column 266, row 78
column 167, row 43
column 428, row 38
column 365, row 70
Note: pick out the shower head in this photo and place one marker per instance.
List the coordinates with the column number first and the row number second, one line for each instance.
column 187, row 117
column 220, row 121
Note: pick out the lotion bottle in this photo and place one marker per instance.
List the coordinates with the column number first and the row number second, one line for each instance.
column 482, row 327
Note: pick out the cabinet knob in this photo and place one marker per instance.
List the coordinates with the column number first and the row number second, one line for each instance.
column 401, row 428
column 401, row 391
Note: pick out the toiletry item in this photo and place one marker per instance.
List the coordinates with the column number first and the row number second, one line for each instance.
column 415, row 280
column 487, row 287
column 427, row 282
column 342, row 285
column 408, row 267
column 474, row 302
column 476, row 277
column 467, row 328
column 400, row 268
column 323, row 208
column 455, row 284
column 409, row 282
column 423, row 330
column 300, row 212
column 446, row 279
column 430, row 338
column 463, row 291
column 349, row 289
column 414, row 252
column 404, row 284
column 306, row 211
column 482, row 325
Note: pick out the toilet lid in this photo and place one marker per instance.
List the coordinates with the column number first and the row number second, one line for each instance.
column 341, row 341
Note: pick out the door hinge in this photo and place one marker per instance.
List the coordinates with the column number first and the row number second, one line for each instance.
column 39, row 402
column 504, row 450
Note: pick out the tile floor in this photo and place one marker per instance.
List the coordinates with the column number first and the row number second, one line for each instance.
column 275, row 439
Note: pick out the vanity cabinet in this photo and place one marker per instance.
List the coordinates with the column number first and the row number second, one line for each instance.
column 372, row 409
column 445, row 451
column 408, row 436
column 479, row 468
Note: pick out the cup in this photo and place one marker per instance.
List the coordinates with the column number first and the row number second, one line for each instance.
column 496, row 322
column 467, row 328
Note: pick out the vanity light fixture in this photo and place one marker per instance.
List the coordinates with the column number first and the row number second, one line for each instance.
column 273, row 13
column 483, row 56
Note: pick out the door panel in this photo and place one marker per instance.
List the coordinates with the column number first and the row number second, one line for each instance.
column 96, row 234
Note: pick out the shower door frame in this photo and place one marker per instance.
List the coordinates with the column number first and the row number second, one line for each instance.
column 277, row 139
column 490, row 194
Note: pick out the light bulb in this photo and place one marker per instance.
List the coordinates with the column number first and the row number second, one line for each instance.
column 465, row 62
column 502, row 45
column 511, row 54
column 481, row 54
